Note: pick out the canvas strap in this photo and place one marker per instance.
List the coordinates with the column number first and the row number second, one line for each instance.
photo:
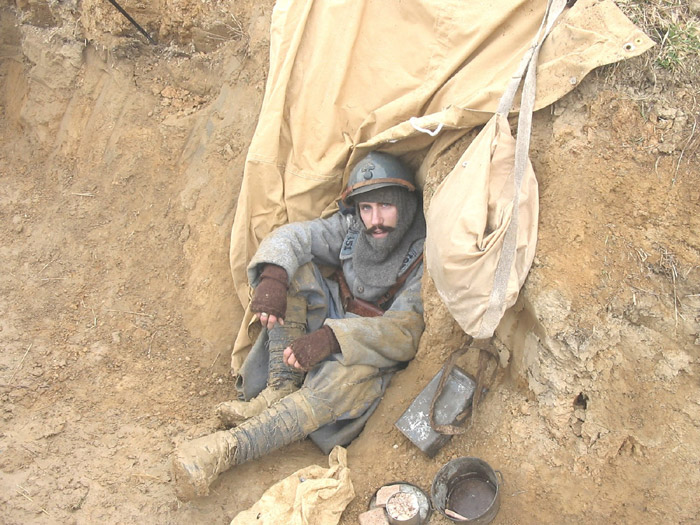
column 494, row 312
column 527, row 67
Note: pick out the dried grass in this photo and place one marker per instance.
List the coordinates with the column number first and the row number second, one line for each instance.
column 672, row 25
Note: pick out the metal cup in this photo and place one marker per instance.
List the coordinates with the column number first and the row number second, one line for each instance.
column 466, row 490
column 408, row 502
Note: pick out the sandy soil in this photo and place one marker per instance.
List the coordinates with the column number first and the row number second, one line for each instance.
column 120, row 166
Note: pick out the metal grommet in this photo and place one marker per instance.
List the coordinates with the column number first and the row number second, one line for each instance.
column 629, row 46
column 573, row 81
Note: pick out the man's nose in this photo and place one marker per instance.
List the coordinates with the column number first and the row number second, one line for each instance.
column 377, row 218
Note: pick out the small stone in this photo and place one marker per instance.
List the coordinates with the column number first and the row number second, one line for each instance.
column 374, row 517
column 666, row 113
column 17, row 223
column 667, row 147
column 185, row 233
column 140, row 333
column 384, row 493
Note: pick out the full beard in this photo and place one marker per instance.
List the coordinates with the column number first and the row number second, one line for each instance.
column 384, row 246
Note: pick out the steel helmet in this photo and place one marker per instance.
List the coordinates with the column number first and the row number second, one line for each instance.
column 376, row 170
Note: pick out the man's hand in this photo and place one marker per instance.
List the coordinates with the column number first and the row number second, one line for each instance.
column 290, row 359
column 308, row 350
column 268, row 321
column 269, row 302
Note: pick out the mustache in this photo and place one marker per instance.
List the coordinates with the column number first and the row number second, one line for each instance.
column 379, row 229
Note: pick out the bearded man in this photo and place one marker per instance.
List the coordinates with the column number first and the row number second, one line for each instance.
column 330, row 340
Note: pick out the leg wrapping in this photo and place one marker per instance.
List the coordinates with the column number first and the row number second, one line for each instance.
column 289, row 420
column 279, row 338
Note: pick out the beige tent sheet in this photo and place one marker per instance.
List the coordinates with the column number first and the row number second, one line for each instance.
column 311, row 496
column 351, row 76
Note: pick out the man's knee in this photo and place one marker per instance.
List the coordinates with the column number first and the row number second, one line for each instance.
column 308, row 283
column 305, row 280
column 296, row 310
column 337, row 391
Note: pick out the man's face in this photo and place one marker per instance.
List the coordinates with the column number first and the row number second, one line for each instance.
column 379, row 218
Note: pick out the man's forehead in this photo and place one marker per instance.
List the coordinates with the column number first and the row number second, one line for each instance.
column 369, row 203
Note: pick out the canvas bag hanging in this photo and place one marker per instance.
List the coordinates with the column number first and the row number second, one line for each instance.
column 482, row 218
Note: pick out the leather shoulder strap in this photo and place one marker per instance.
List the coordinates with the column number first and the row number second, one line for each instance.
column 391, row 292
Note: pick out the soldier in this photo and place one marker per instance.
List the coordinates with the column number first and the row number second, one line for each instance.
column 330, row 340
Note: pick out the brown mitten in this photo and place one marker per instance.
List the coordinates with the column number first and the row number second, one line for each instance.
column 315, row 347
column 270, row 296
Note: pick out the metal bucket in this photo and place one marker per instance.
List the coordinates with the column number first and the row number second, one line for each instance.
column 466, row 490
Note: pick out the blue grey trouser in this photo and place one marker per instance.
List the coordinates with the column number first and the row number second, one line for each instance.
column 341, row 397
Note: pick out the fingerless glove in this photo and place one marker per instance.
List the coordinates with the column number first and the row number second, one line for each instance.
column 270, row 296
column 313, row 348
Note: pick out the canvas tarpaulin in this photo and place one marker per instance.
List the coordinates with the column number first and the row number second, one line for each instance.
column 311, row 496
column 346, row 77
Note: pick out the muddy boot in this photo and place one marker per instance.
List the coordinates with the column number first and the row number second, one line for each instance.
column 231, row 413
column 198, row 463
column 282, row 380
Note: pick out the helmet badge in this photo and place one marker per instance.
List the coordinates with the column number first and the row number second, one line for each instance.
column 367, row 171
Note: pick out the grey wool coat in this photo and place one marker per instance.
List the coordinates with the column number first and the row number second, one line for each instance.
column 378, row 341
column 345, row 386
